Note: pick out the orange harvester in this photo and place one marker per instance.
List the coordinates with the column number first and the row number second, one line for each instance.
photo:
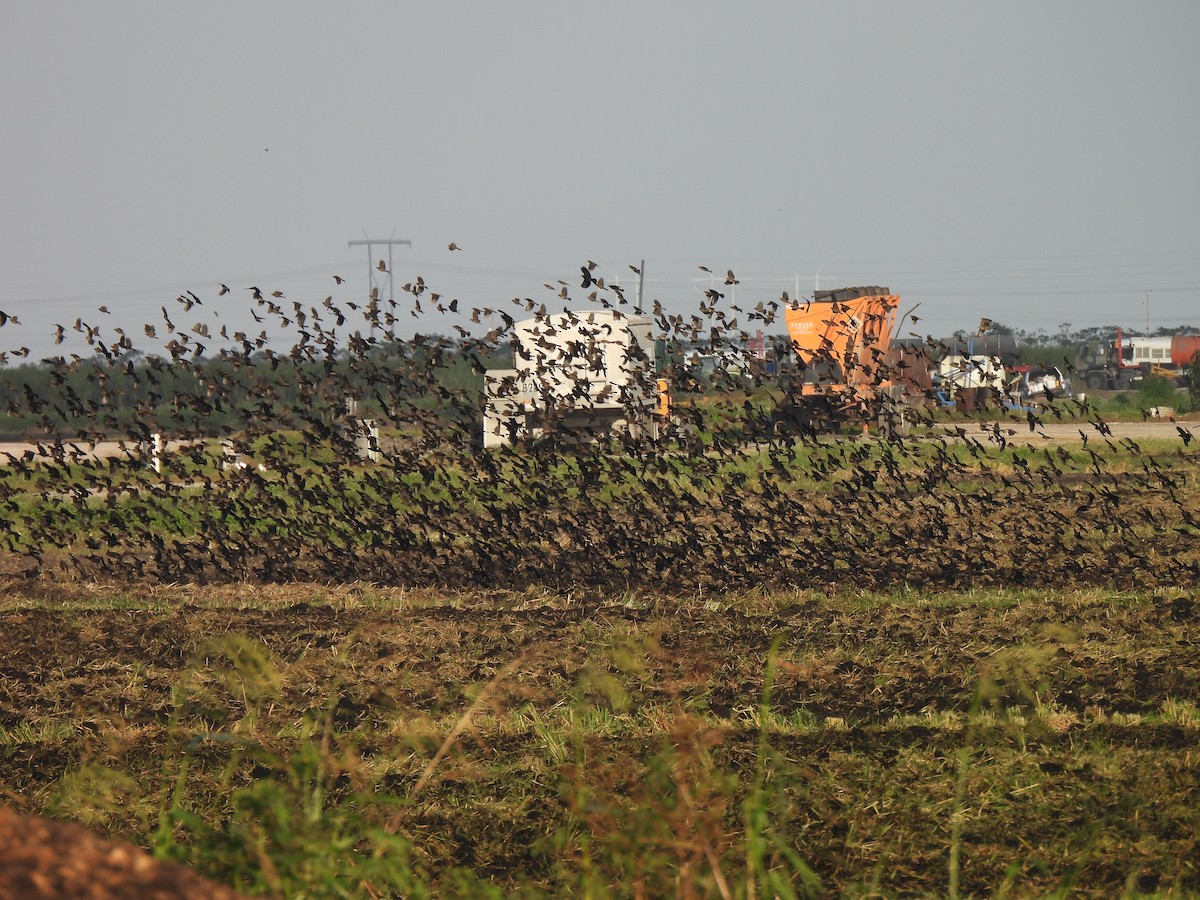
column 841, row 339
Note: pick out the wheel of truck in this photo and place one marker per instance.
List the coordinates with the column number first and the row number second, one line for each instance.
column 1095, row 381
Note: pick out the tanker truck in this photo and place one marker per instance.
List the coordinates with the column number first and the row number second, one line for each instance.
column 1185, row 349
column 1122, row 363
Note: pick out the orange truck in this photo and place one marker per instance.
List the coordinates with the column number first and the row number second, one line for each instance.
column 840, row 340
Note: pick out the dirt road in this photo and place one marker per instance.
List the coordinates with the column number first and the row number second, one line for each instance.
column 1046, row 432
column 13, row 450
column 1073, row 432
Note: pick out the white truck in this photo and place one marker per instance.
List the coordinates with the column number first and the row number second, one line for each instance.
column 582, row 375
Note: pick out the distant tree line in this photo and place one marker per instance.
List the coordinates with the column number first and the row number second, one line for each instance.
column 136, row 395
column 432, row 379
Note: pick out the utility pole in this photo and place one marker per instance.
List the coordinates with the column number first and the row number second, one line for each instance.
column 641, row 280
column 1147, row 314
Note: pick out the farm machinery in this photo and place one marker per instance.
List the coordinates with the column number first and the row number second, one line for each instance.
column 845, row 369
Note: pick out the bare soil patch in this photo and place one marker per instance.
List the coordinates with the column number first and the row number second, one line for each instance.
column 1065, row 717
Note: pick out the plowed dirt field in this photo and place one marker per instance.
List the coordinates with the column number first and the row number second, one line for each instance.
column 1038, row 741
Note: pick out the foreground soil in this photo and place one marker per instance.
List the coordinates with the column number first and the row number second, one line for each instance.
column 978, row 741
column 62, row 861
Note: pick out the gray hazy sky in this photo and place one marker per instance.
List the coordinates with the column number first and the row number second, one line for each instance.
column 1034, row 162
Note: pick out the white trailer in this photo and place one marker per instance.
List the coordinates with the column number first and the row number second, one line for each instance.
column 588, row 375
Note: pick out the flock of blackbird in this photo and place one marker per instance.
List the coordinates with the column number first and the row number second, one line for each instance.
column 263, row 476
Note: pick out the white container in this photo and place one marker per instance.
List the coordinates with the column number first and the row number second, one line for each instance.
column 589, row 372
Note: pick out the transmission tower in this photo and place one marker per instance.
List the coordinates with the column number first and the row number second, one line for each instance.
column 376, row 284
